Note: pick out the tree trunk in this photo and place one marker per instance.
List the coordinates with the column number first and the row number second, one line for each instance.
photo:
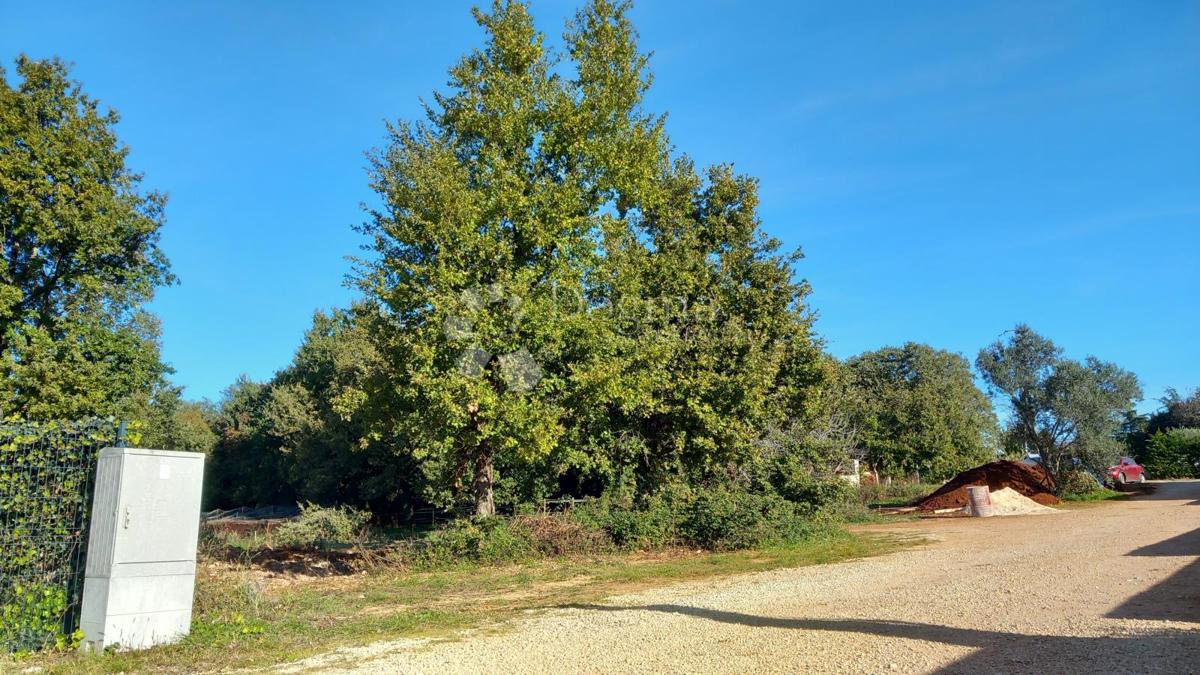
column 485, row 504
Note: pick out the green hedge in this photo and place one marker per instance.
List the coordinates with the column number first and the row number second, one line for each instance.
column 1173, row 454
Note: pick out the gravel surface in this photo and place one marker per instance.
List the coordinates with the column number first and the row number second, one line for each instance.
column 1110, row 588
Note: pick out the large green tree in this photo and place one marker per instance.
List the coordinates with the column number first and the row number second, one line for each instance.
column 80, row 256
column 919, row 411
column 1068, row 412
column 557, row 291
column 483, row 244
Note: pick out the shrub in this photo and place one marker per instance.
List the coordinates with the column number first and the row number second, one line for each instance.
column 652, row 525
column 818, row 495
column 490, row 540
column 323, row 527
column 1078, row 482
column 1173, row 454
column 724, row 520
column 721, row 518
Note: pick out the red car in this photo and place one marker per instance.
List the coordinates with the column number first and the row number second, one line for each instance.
column 1126, row 471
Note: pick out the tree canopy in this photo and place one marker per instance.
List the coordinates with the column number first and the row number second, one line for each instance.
column 920, row 412
column 80, row 256
column 546, row 270
column 1067, row 411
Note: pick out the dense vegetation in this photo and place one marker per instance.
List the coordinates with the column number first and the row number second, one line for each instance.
column 554, row 302
column 1168, row 441
column 920, row 412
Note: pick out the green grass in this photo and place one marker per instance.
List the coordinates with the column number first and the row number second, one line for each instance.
column 1100, row 495
column 245, row 619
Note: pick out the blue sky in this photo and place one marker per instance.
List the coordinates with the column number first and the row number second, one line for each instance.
column 950, row 169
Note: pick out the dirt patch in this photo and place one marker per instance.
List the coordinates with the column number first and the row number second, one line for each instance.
column 1030, row 481
column 287, row 562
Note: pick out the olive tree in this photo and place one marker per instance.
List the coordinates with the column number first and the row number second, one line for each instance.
column 1068, row 412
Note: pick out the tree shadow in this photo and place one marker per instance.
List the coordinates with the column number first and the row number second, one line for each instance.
column 1176, row 598
column 1161, row 651
column 1175, row 490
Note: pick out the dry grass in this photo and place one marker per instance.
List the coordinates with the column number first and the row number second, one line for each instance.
column 250, row 616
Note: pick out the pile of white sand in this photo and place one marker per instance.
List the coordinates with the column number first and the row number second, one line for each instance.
column 1009, row 502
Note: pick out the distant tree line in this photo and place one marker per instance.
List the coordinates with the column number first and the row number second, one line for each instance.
column 554, row 302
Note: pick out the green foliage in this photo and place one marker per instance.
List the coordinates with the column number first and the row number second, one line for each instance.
column 247, row 465
column 319, row 527
column 896, row 493
column 1178, row 412
column 1099, row 494
column 306, row 434
column 44, row 471
column 1173, row 454
column 919, row 412
column 726, row 520
column 651, row 525
column 32, row 615
column 1078, row 482
column 80, row 257
column 816, row 495
column 171, row 423
column 719, row 518
column 559, row 293
column 1070, row 413
column 488, row 540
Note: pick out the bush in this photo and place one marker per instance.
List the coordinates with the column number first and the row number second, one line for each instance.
column 653, row 525
column 820, row 495
column 491, row 540
column 1078, row 482
column 721, row 518
column 725, row 520
column 1173, row 454
column 323, row 527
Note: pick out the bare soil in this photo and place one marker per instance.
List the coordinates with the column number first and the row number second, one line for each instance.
column 1030, row 481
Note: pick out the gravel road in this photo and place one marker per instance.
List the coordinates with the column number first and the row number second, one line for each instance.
column 1112, row 588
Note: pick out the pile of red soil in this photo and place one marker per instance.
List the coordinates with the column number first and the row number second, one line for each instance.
column 1031, row 481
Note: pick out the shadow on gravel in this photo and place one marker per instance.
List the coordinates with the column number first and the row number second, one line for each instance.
column 1159, row 651
column 1167, row 490
column 1176, row 598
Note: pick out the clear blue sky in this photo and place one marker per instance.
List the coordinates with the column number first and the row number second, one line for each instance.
column 950, row 168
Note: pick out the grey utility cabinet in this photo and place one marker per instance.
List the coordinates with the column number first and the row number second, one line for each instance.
column 141, row 558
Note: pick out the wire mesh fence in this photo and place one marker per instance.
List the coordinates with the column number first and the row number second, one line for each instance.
column 46, row 474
